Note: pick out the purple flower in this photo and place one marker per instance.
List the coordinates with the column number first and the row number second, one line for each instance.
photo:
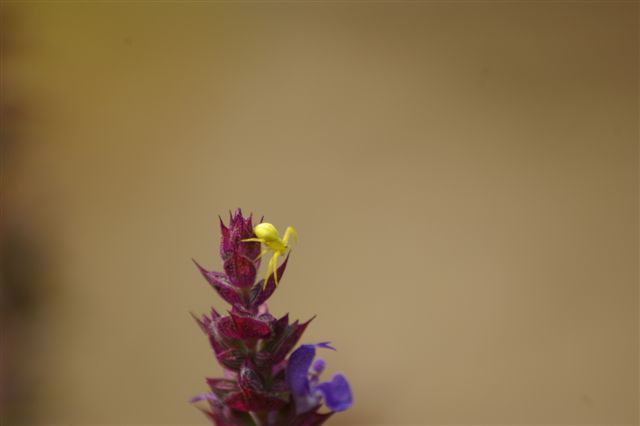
column 306, row 388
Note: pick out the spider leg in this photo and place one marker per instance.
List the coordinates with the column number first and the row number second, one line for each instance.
column 252, row 239
column 275, row 266
column 290, row 232
column 265, row 251
column 269, row 269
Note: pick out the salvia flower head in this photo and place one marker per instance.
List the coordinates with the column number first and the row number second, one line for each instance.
column 262, row 384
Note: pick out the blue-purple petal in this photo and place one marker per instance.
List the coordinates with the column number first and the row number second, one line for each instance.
column 337, row 393
column 305, row 390
column 298, row 370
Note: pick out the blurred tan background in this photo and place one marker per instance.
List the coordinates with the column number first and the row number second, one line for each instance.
column 463, row 178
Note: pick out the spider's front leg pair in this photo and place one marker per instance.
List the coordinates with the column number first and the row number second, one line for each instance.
column 268, row 235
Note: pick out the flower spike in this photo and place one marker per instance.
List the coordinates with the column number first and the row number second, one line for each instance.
column 261, row 386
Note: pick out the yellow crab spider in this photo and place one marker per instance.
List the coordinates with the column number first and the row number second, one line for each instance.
column 268, row 235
